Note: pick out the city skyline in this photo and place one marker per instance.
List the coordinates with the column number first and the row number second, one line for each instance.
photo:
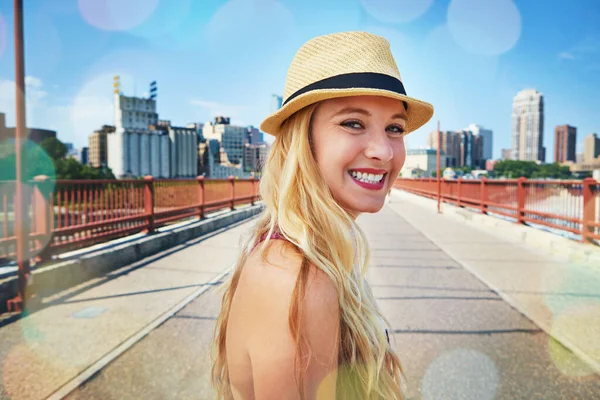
column 467, row 80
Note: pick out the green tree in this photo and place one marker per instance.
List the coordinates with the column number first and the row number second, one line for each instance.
column 465, row 169
column 35, row 161
column 54, row 148
column 515, row 168
column 530, row 169
column 68, row 168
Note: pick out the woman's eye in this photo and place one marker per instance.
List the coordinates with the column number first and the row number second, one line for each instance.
column 397, row 129
column 352, row 124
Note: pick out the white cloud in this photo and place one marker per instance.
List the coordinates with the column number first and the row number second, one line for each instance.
column 73, row 120
column 215, row 108
column 566, row 56
column 34, row 93
column 587, row 48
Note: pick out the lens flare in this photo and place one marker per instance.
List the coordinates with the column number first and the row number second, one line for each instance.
column 254, row 22
column 466, row 373
column 116, row 15
column 580, row 325
column 165, row 20
column 93, row 105
column 573, row 287
column 396, row 11
column 485, row 27
column 39, row 173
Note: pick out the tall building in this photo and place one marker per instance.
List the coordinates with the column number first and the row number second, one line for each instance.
column 462, row 148
column 183, row 143
column 83, row 155
column 255, row 156
column 232, row 138
column 128, row 147
column 276, row 102
column 488, row 139
column 471, row 150
column 528, row 126
column 565, row 139
column 142, row 145
column 219, row 167
column 450, row 145
column 98, row 152
column 591, row 148
column 255, row 136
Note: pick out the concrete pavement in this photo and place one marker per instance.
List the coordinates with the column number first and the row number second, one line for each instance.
column 457, row 337
column 84, row 328
column 553, row 288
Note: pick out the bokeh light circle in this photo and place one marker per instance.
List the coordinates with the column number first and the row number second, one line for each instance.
column 93, row 105
column 466, row 373
column 167, row 19
column 579, row 324
column 570, row 287
column 396, row 11
column 116, row 15
column 35, row 159
column 484, row 27
column 254, row 22
column 36, row 163
column 2, row 35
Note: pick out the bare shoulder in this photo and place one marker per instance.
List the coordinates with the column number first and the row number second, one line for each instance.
column 268, row 286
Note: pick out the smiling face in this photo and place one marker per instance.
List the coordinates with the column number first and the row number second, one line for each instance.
column 358, row 143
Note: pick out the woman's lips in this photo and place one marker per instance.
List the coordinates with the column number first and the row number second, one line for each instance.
column 368, row 185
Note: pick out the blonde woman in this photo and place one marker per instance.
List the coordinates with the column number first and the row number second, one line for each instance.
column 298, row 320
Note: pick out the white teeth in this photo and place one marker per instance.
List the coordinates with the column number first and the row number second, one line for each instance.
column 368, row 178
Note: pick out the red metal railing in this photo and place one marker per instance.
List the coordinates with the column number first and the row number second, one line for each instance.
column 69, row 214
column 564, row 205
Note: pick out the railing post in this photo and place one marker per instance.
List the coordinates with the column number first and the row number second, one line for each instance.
column 459, row 180
column 589, row 209
column 149, row 202
column 521, row 200
column 484, row 195
column 43, row 215
column 201, row 197
column 253, row 200
column 232, row 191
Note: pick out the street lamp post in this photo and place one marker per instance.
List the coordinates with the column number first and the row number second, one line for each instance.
column 438, row 162
column 21, row 199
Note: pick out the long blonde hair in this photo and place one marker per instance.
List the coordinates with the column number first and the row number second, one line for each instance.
column 299, row 204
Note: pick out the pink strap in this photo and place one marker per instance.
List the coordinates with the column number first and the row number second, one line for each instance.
column 274, row 235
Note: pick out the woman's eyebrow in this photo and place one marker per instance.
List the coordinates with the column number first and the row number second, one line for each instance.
column 348, row 110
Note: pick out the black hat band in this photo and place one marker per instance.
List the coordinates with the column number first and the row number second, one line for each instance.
column 366, row 80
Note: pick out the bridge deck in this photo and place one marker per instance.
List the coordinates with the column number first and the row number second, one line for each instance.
column 456, row 297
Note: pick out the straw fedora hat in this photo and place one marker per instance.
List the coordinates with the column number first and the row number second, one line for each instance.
column 340, row 65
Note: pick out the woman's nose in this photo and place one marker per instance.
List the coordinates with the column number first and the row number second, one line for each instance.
column 379, row 147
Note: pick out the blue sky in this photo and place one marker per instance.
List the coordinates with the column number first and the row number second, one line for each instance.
column 467, row 57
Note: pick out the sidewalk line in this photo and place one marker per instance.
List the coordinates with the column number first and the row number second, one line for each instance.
column 594, row 364
column 74, row 383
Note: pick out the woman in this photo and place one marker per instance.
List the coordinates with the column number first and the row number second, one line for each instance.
column 298, row 319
